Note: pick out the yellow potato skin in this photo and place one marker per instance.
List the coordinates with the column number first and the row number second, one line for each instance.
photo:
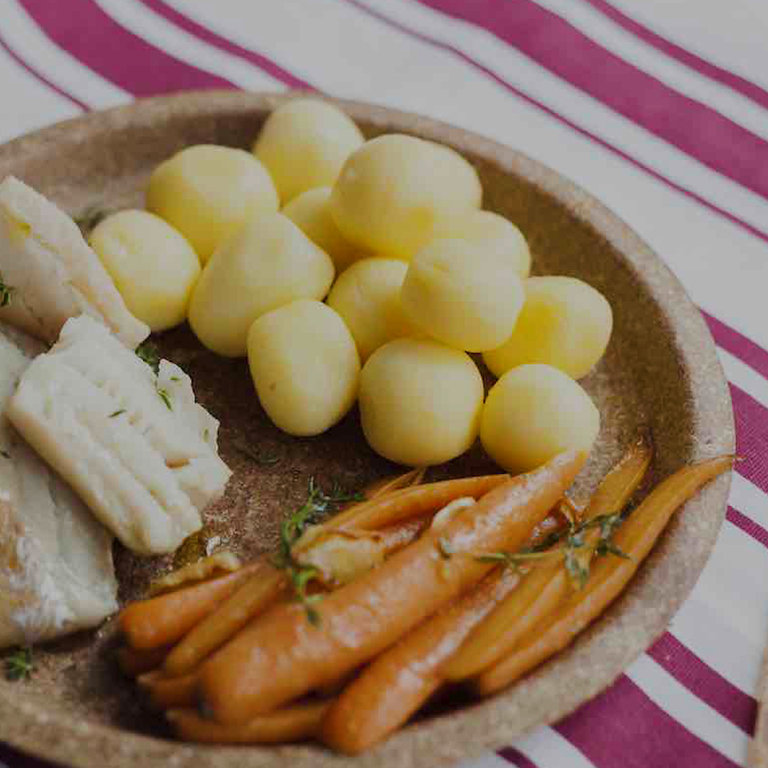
column 304, row 144
column 462, row 295
column 420, row 402
column 311, row 213
column 304, row 366
column 533, row 413
column 367, row 296
column 394, row 193
column 493, row 233
column 268, row 263
column 208, row 192
column 152, row 265
column 564, row 322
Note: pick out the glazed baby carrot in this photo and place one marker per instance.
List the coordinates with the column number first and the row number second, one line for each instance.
column 401, row 679
column 252, row 597
column 166, row 692
column 164, row 619
column 283, row 655
column 406, row 480
column 294, row 723
column 547, row 585
column 609, row 576
column 410, row 502
column 133, row 662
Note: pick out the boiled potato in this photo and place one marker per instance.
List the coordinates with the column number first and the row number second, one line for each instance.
column 533, row 413
column 304, row 366
column 461, row 294
column 492, row 232
column 209, row 192
column 311, row 213
column 367, row 296
column 564, row 322
column 304, row 143
column 268, row 263
column 420, row 402
column 394, row 193
column 153, row 266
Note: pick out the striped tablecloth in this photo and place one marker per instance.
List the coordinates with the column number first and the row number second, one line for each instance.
column 657, row 107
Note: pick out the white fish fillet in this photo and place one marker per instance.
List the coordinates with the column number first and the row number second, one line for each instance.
column 53, row 272
column 56, row 571
column 136, row 447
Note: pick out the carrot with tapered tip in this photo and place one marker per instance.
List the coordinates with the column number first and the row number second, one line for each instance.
column 167, row 618
column 168, row 692
column 133, row 662
column 609, row 576
column 406, row 503
column 407, row 480
column 297, row 722
column 398, row 682
column 543, row 589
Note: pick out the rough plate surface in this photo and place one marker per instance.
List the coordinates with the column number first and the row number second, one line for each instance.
column 660, row 372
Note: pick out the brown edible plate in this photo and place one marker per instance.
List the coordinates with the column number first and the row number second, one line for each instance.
column 661, row 371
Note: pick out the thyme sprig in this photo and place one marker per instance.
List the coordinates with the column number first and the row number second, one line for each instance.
column 575, row 551
column 19, row 665
column 516, row 559
column 317, row 506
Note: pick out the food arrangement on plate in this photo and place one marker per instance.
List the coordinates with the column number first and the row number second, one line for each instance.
column 348, row 272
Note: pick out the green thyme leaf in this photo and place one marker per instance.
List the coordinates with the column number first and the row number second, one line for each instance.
column 147, row 352
column 19, row 664
column 165, row 397
column 117, row 413
column 300, row 578
column 317, row 505
column 516, row 559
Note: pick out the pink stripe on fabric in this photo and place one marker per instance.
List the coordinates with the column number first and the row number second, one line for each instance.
column 713, row 72
column 747, row 525
column 692, row 127
column 623, row 728
column 751, row 437
column 83, row 29
column 701, row 680
column 435, row 43
column 210, row 37
column 738, row 345
column 42, row 78
column 517, row 758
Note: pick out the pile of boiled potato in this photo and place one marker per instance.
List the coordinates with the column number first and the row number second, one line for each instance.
column 351, row 270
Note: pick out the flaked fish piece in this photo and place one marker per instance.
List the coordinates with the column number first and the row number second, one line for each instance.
column 134, row 445
column 56, row 570
column 52, row 273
